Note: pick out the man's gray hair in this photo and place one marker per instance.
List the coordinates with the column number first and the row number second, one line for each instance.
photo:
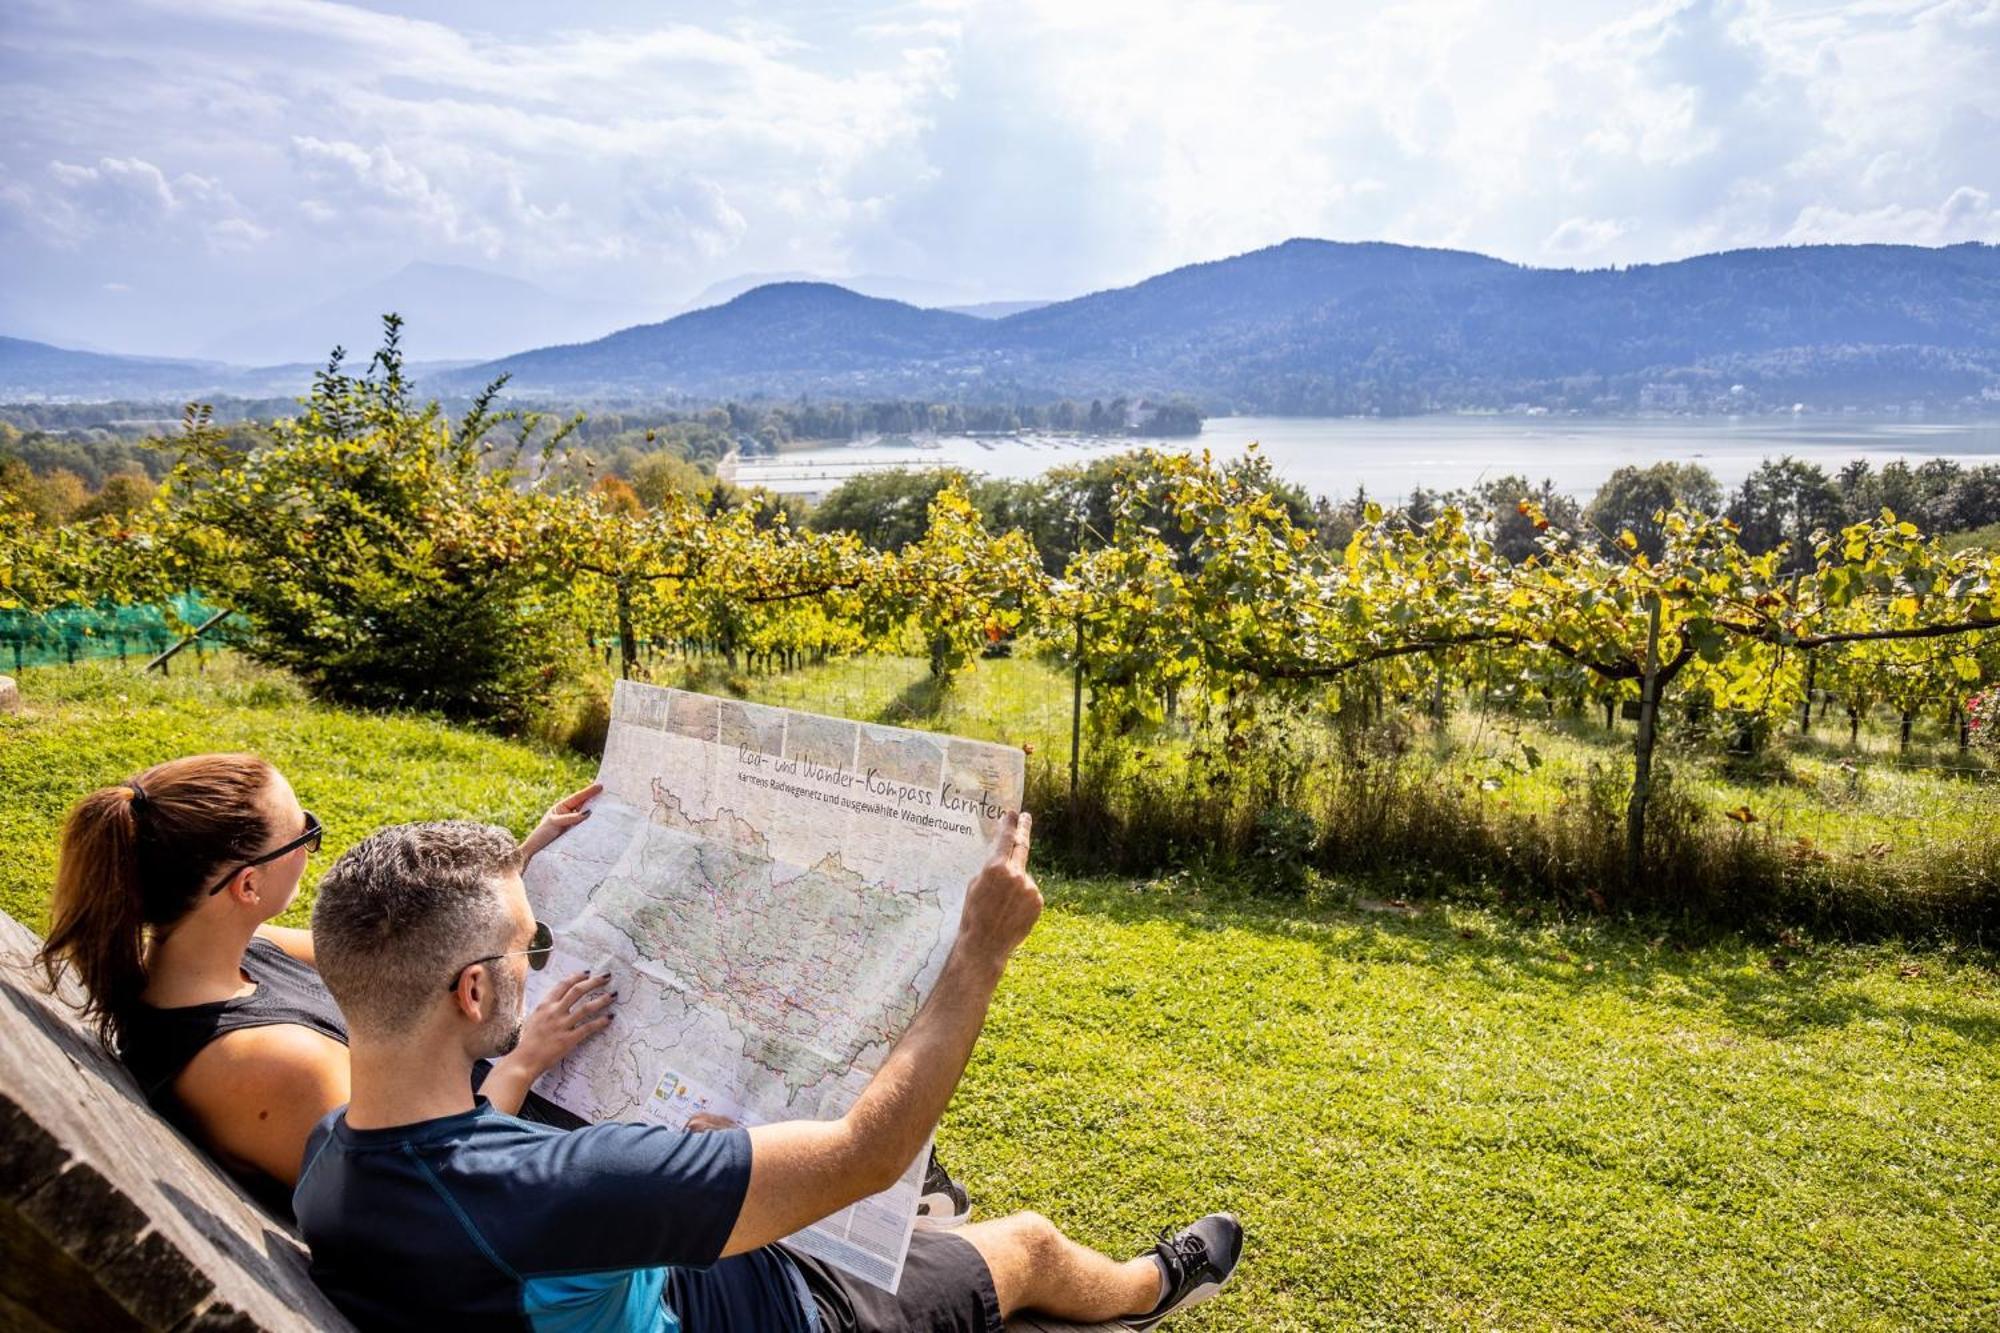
column 403, row 909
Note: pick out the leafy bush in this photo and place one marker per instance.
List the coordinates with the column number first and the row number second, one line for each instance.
column 376, row 549
column 1283, row 847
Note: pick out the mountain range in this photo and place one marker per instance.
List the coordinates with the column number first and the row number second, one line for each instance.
column 1318, row 327
column 887, row 286
column 1306, row 327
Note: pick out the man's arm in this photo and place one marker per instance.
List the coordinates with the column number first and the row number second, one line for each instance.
column 804, row 1170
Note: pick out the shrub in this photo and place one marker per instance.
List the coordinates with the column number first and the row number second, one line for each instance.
column 376, row 550
column 1282, row 849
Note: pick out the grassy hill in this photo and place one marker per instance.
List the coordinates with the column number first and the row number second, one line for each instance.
column 1428, row 1116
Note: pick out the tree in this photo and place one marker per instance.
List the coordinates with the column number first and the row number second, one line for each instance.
column 678, row 571
column 1260, row 601
column 657, row 476
column 888, row 510
column 122, row 495
column 1637, row 499
column 48, row 499
column 1786, row 503
column 24, row 555
column 959, row 588
column 617, row 497
column 1496, row 507
column 381, row 552
column 1973, row 502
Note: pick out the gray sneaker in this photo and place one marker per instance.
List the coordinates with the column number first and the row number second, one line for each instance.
column 1198, row 1260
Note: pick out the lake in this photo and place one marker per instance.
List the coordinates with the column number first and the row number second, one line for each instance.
column 1391, row 457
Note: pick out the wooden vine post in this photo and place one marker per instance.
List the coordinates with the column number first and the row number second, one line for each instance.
column 1076, row 720
column 1642, row 749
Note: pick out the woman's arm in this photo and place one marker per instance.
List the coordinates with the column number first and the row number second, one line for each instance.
column 298, row 943
column 563, row 816
column 256, row 1093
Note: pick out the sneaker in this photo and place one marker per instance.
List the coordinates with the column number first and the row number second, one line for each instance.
column 944, row 1203
column 1198, row 1261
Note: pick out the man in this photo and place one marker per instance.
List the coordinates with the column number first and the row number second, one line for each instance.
column 427, row 1209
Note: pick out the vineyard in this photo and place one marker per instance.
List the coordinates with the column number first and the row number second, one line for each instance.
column 1237, row 687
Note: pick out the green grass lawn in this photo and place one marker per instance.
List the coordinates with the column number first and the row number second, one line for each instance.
column 1434, row 1119
column 96, row 724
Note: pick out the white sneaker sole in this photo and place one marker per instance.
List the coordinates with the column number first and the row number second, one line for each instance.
column 934, row 1213
column 1194, row 1298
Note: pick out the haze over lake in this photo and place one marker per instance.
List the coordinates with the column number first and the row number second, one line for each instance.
column 1393, row 456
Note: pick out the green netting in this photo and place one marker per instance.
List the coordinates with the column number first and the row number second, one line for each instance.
column 79, row 632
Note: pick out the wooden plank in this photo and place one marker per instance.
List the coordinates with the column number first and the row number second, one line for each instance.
column 30, row 1157
column 91, row 1173
column 43, row 1290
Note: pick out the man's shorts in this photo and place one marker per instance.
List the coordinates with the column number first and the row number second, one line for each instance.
column 946, row 1288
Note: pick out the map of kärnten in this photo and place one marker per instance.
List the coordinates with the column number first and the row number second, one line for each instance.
column 774, row 892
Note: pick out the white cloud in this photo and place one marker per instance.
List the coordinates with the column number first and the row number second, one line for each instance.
column 70, row 204
column 115, row 189
column 1967, row 215
column 353, row 184
column 682, row 209
column 235, row 234
column 1013, row 147
column 1583, row 237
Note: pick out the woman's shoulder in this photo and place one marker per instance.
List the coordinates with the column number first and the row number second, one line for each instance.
column 289, row 1008
column 284, row 1054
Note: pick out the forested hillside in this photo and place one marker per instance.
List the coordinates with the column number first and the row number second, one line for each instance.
column 1319, row 327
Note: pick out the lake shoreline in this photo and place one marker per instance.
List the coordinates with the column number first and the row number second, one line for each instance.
column 1389, row 457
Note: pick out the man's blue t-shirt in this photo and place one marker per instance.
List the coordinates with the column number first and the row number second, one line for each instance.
column 606, row 1229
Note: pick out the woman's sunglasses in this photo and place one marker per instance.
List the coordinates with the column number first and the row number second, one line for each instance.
column 310, row 840
column 537, row 952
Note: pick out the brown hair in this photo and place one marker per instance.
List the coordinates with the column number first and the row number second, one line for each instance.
column 137, row 857
column 405, row 908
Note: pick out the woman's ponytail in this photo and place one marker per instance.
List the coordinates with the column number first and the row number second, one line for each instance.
column 135, row 858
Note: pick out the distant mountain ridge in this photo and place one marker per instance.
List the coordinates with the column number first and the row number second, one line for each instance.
column 1307, row 327
column 34, row 371
column 884, row 286
column 1312, row 326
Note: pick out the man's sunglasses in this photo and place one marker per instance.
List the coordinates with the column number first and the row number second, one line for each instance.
column 310, row 840
column 537, row 952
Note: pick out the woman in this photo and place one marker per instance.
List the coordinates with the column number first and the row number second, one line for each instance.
column 164, row 891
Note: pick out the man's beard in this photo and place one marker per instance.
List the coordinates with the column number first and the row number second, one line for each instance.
column 507, row 1045
column 504, row 1027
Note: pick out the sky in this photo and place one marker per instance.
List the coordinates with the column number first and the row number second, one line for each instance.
column 174, row 169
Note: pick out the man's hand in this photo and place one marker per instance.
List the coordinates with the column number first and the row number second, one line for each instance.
column 578, row 1007
column 702, row 1122
column 1002, row 903
column 563, row 816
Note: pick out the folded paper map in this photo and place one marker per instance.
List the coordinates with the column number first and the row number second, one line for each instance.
column 775, row 892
